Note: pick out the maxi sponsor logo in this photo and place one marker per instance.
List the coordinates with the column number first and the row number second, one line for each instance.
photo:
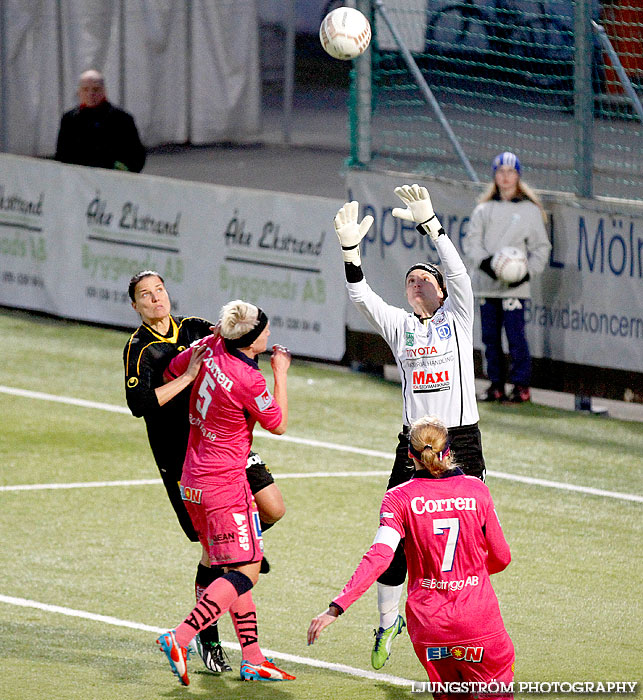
column 421, row 378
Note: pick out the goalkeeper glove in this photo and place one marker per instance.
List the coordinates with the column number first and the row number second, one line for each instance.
column 418, row 209
column 350, row 233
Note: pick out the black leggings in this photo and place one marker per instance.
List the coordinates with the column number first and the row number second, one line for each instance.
column 466, row 446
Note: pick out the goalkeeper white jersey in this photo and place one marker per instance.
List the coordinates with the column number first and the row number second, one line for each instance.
column 434, row 357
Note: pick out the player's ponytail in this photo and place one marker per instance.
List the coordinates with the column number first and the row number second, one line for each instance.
column 429, row 445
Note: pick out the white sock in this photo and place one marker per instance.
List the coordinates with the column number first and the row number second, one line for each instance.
column 388, row 603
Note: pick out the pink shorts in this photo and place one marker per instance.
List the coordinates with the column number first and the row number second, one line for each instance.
column 226, row 520
column 490, row 659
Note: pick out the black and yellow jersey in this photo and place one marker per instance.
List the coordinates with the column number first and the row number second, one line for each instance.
column 146, row 356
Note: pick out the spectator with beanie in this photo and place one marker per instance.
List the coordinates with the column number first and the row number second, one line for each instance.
column 98, row 134
column 508, row 214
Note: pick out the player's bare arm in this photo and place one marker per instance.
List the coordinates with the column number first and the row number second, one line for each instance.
column 168, row 391
column 319, row 623
column 280, row 362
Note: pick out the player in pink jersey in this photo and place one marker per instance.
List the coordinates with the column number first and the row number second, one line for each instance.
column 453, row 542
column 229, row 396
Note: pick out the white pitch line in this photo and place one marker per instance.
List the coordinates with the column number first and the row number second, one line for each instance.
column 292, row 658
column 326, row 445
column 26, row 393
column 80, row 485
column 567, row 487
column 150, row 482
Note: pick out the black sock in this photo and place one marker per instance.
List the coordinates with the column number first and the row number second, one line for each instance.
column 205, row 575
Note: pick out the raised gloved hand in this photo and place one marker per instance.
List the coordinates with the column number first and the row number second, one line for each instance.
column 418, row 209
column 349, row 232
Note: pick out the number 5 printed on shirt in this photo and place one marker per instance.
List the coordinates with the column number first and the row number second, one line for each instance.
column 453, row 526
column 203, row 403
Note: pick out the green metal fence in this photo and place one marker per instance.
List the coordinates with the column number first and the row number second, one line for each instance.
column 531, row 76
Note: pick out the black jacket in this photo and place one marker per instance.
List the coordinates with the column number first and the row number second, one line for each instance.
column 101, row 137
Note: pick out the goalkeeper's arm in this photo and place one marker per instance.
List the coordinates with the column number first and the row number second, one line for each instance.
column 350, row 234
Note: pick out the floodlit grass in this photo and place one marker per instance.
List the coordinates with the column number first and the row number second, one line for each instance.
column 570, row 598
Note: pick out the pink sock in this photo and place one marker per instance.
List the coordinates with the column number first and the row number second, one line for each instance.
column 217, row 598
column 244, row 617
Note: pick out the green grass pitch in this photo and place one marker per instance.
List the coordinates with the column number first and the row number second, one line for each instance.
column 571, row 598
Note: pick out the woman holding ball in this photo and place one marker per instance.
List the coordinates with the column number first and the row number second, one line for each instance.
column 508, row 214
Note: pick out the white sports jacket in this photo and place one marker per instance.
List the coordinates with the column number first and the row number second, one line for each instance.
column 496, row 224
column 435, row 357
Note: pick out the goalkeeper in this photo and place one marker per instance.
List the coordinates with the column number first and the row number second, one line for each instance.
column 433, row 349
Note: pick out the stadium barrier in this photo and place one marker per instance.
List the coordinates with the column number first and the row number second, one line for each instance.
column 71, row 238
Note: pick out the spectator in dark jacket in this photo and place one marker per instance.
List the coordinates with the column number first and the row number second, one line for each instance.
column 97, row 133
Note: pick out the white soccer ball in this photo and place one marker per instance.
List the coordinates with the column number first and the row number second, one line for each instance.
column 509, row 264
column 345, row 33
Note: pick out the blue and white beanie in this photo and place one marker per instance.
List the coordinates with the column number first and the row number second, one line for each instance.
column 506, row 158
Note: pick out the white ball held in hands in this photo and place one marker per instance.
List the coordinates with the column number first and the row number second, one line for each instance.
column 509, row 264
column 418, row 208
column 349, row 232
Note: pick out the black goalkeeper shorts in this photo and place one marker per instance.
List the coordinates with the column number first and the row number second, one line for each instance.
column 257, row 473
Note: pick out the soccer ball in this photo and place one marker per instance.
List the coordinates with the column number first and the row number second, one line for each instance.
column 509, row 264
column 345, row 33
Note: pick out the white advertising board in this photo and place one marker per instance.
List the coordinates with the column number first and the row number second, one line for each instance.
column 586, row 308
column 71, row 238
